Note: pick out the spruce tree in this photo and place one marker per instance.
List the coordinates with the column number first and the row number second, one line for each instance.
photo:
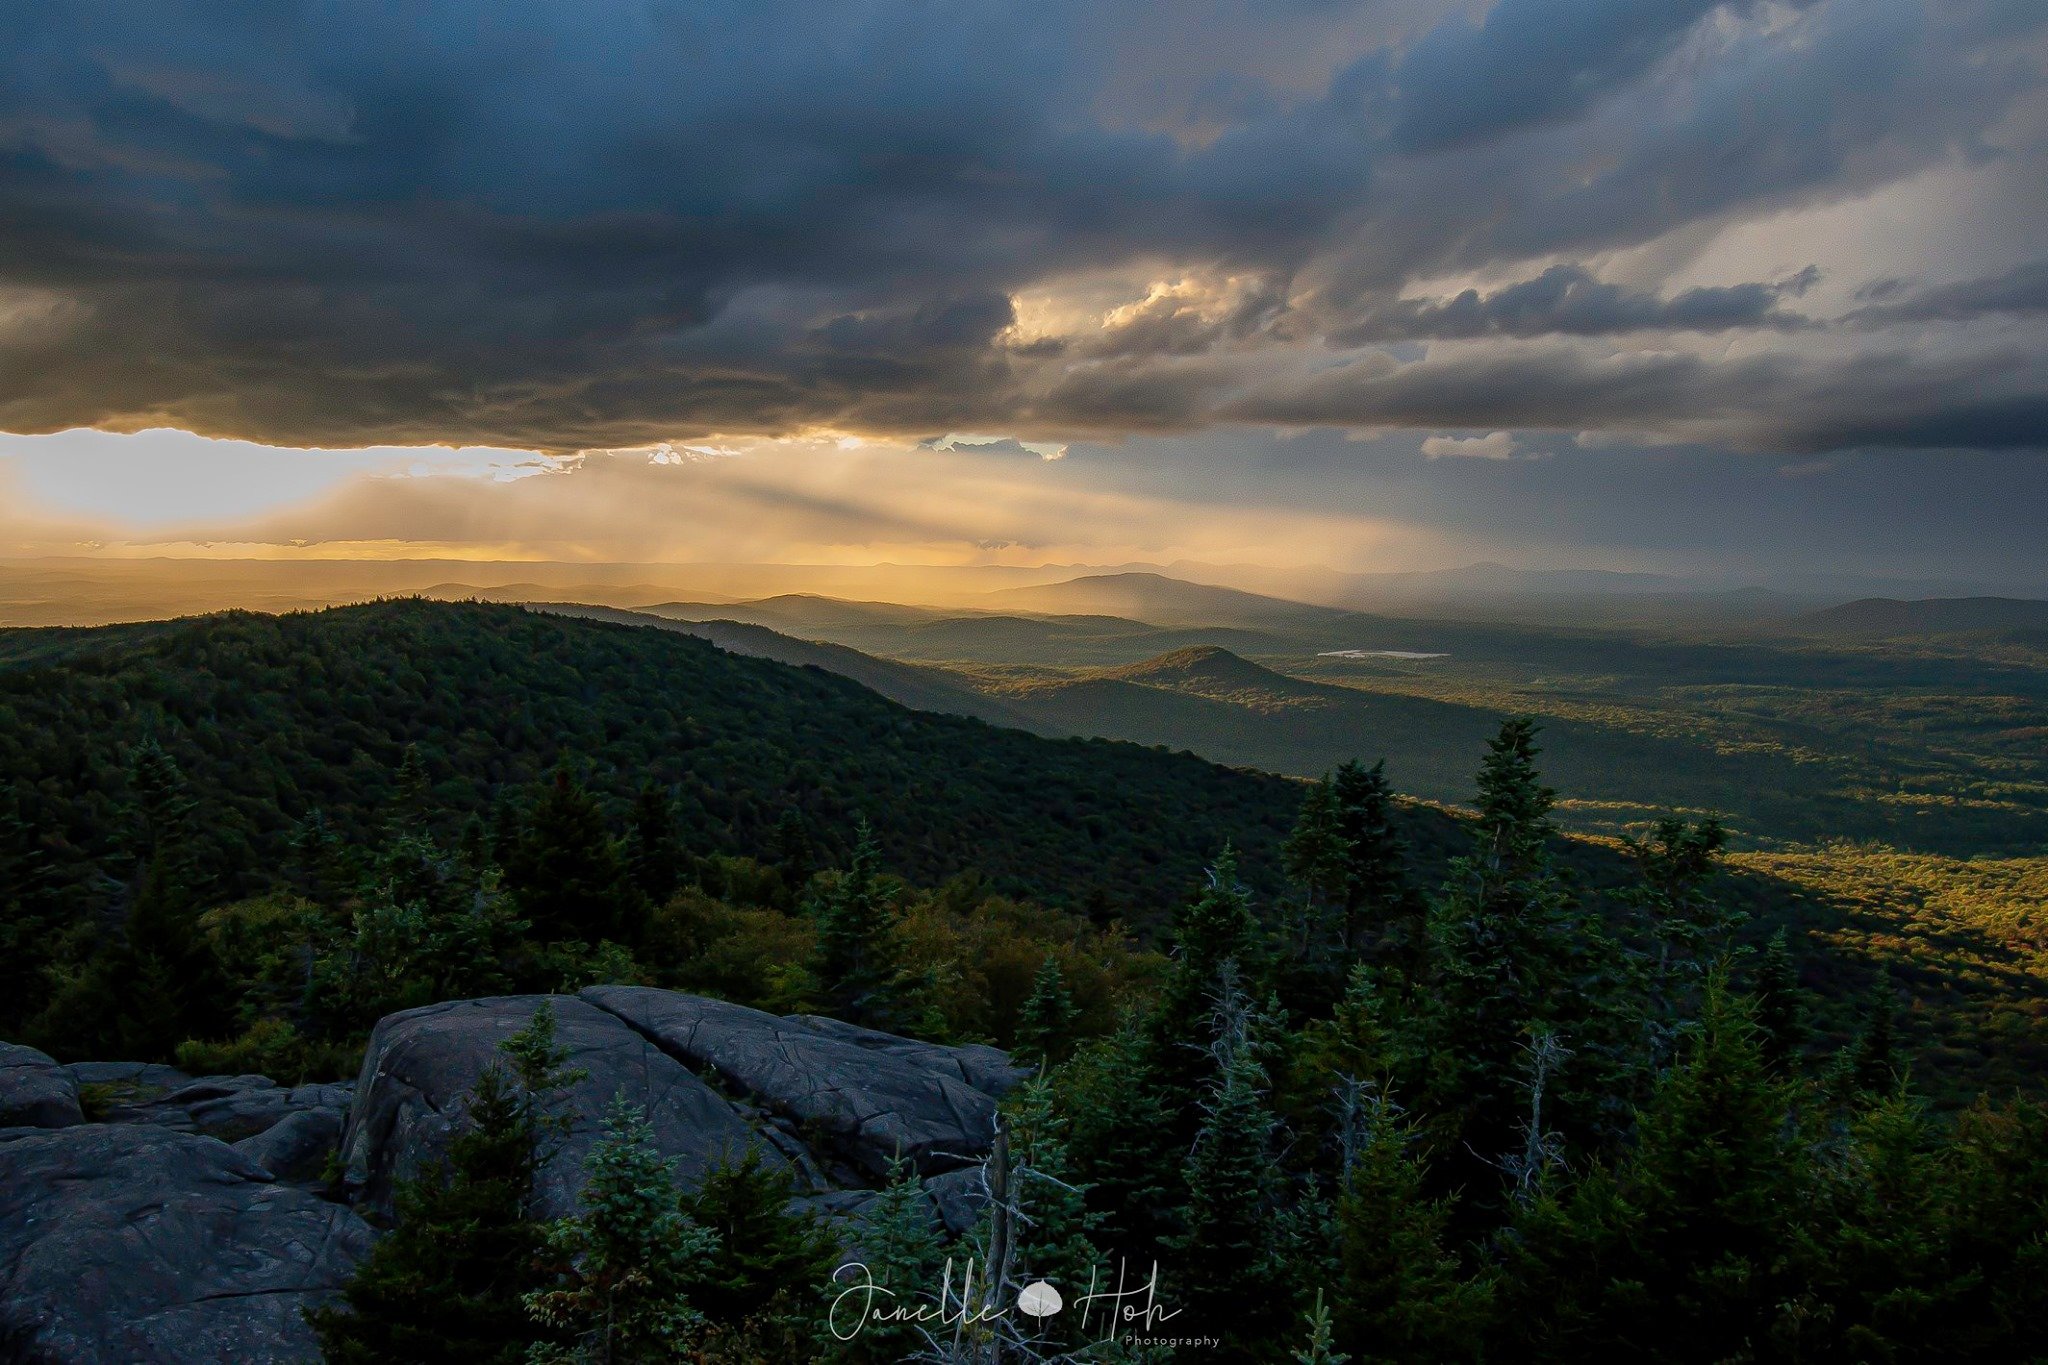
column 1217, row 928
column 1998, row 1207
column 1690, row 928
column 792, row 848
column 1511, row 954
column 1054, row 1242
column 31, row 919
column 1317, row 857
column 1046, row 1023
column 654, row 849
column 1780, row 1005
column 855, row 965
column 622, row 1270
column 1684, row 1242
column 1877, row 1243
column 902, row 1255
column 412, row 807
column 448, row 1282
column 1322, row 1341
column 319, row 868
column 1124, row 1137
column 564, row 871
column 1227, row 1261
column 1873, row 1064
column 164, row 833
column 1378, row 899
column 1401, row 1294
column 1514, row 826
column 158, row 982
column 771, row 1259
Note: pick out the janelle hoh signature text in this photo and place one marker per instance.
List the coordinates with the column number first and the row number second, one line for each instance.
column 1129, row 1307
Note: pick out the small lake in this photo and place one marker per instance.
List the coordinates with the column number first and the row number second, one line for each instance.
column 1378, row 654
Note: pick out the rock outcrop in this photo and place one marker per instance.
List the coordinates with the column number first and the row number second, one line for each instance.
column 862, row 1104
column 148, row 1215
column 35, row 1092
column 231, row 1108
column 420, row 1065
column 138, row 1243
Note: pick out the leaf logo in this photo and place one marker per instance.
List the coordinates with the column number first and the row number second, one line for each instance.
column 1039, row 1299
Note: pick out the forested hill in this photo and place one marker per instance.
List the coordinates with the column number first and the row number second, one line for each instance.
column 272, row 716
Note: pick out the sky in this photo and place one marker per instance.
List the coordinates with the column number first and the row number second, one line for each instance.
column 1717, row 288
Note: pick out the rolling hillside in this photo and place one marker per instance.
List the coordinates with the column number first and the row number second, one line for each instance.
column 1887, row 616
column 271, row 717
column 918, row 687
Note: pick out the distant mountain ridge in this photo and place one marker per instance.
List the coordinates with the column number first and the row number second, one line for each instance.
column 1926, row 616
column 1160, row 600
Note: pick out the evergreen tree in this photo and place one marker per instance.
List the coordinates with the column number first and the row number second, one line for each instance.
column 1218, row 928
column 157, row 982
column 31, row 919
column 319, row 862
column 1780, row 1005
column 1998, row 1210
column 1377, row 896
column 1053, row 1242
column 1227, row 1261
column 1691, row 929
column 1321, row 1348
column 1514, row 826
column 422, row 928
column 564, row 871
column 164, row 833
column 413, row 808
column 855, row 964
column 1401, row 1295
column 1124, row 1138
column 623, row 1268
column 1046, row 1023
column 1679, row 1252
column 902, row 1255
column 1511, row 956
column 792, row 848
column 1876, row 1243
column 771, row 1258
column 448, row 1282
column 654, row 849
column 1317, row 857
column 1873, row 1065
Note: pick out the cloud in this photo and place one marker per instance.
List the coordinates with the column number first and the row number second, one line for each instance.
column 1566, row 300
column 556, row 228
column 2020, row 291
column 1773, row 401
column 1497, row 445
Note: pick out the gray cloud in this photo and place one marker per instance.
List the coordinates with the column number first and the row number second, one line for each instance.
column 1566, row 300
column 2021, row 290
column 528, row 224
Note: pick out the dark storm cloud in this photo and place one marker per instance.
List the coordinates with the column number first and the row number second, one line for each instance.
column 1566, row 300
column 2021, row 290
column 1527, row 61
column 535, row 223
column 1771, row 402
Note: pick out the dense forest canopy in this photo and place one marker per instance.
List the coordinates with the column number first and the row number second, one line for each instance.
column 1364, row 1080
column 274, row 717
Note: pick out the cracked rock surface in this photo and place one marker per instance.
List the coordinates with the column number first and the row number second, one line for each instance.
column 35, row 1092
column 864, row 1103
column 420, row 1064
column 141, row 1243
column 196, row 1217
